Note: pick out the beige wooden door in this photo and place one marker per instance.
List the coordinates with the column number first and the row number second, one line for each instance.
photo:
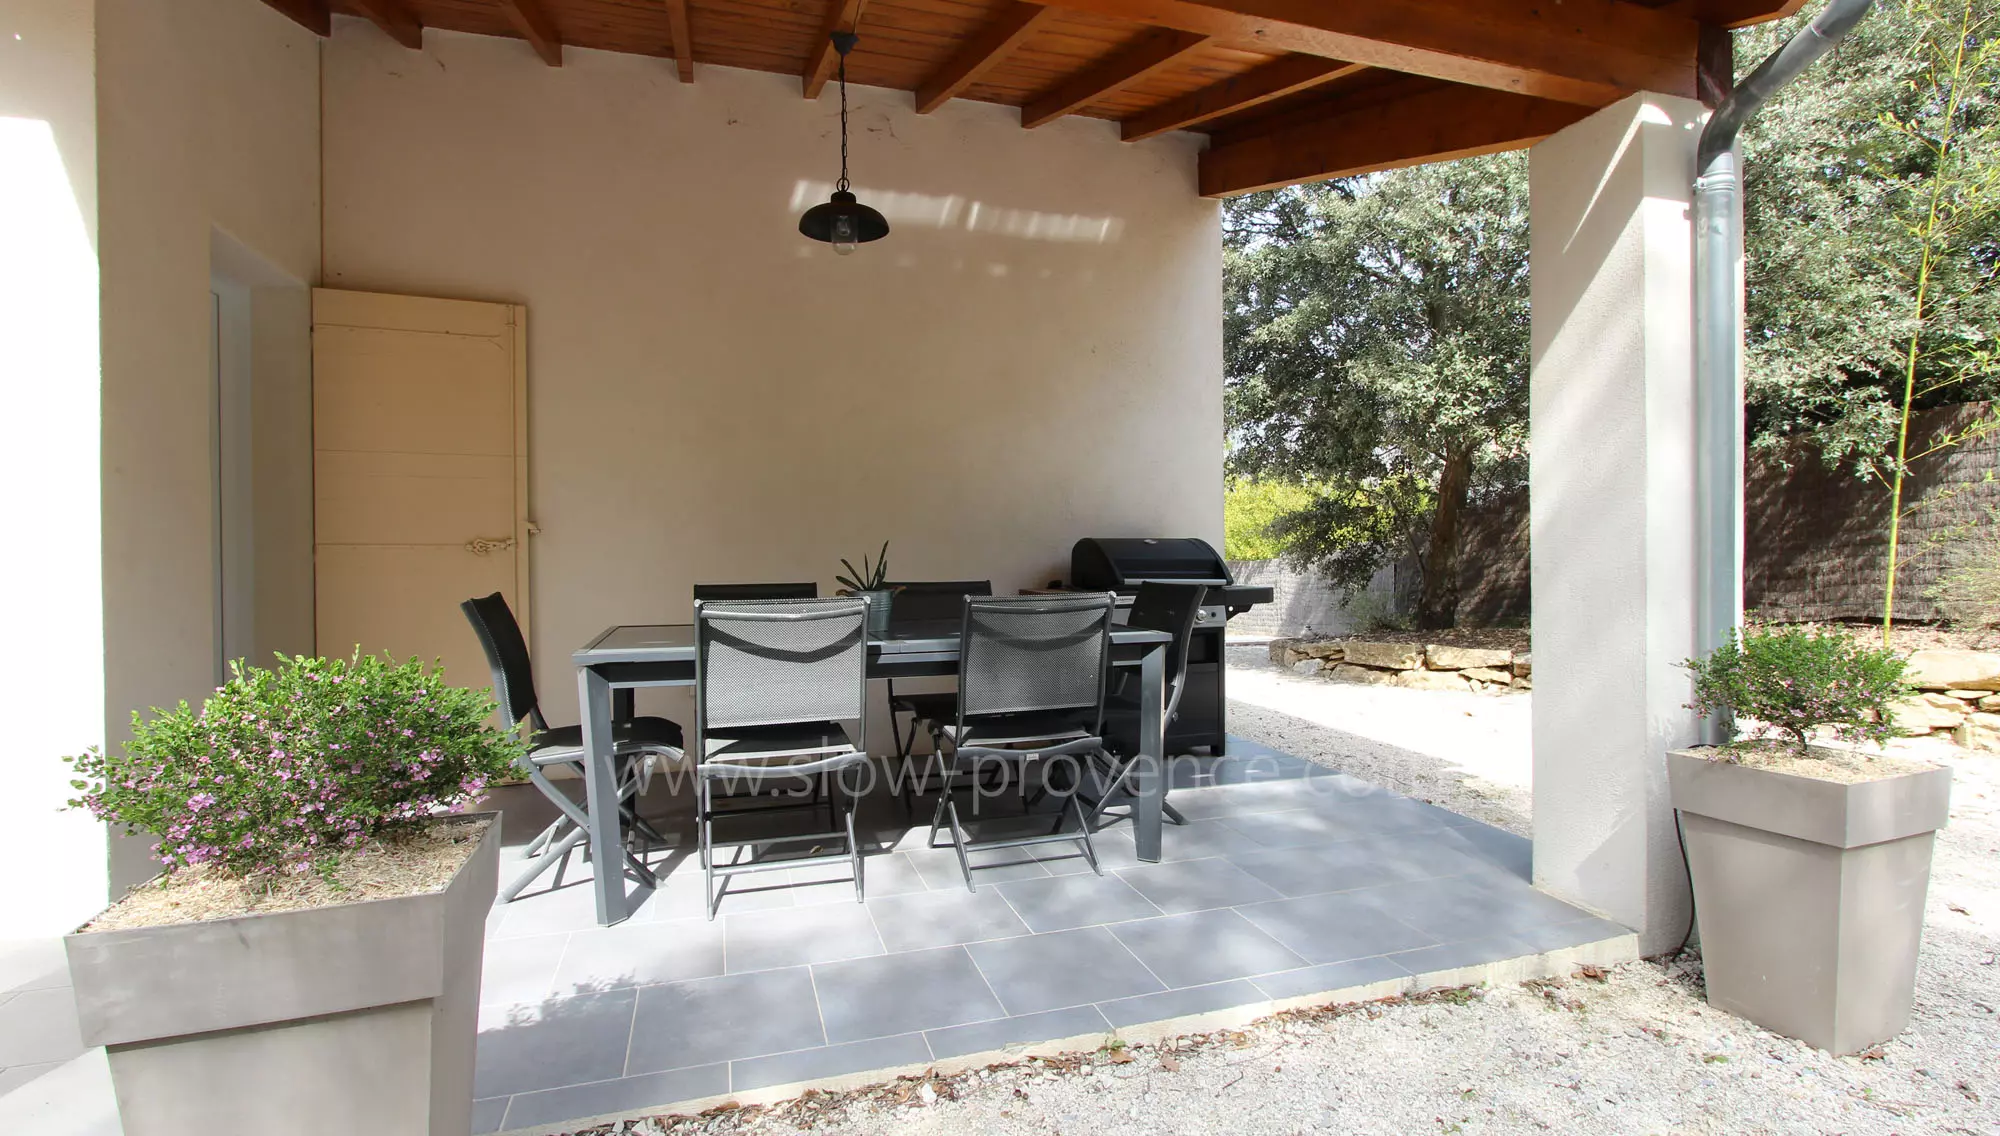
column 420, row 473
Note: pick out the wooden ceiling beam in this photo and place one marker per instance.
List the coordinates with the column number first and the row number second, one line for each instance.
column 1728, row 13
column 312, row 15
column 1153, row 50
column 534, row 25
column 1436, row 123
column 677, row 24
column 841, row 16
column 1274, row 80
column 1589, row 52
column 1007, row 31
column 394, row 19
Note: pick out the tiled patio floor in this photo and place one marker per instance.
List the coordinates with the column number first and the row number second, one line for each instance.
column 1288, row 881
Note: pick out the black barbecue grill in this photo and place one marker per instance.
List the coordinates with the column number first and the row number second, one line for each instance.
column 1121, row 564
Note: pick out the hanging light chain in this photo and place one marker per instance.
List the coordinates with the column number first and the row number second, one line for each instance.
column 843, row 122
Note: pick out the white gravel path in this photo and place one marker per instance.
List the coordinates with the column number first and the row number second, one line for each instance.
column 1635, row 1050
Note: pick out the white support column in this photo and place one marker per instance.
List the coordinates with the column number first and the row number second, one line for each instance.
column 51, row 622
column 1612, row 506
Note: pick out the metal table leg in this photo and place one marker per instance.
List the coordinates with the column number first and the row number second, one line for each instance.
column 1150, row 774
column 600, row 791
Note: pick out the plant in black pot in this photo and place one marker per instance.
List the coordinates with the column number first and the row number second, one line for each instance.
column 1810, row 860
column 317, row 900
column 867, row 582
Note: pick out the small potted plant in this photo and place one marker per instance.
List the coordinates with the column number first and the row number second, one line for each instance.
column 867, row 582
column 1810, row 863
column 308, row 959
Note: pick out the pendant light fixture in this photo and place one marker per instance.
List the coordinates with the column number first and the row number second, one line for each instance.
column 842, row 221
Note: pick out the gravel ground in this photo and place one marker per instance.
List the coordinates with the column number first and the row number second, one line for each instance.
column 1633, row 1049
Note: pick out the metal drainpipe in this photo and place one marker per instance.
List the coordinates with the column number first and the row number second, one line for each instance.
column 1718, row 331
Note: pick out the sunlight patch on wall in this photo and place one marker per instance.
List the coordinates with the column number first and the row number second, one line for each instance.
column 951, row 211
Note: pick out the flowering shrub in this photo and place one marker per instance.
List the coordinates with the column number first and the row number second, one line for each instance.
column 282, row 770
column 1795, row 681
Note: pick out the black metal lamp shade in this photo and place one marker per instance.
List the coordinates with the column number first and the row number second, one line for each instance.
column 843, row 220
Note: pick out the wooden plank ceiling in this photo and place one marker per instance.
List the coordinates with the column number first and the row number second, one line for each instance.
column 1289, row 91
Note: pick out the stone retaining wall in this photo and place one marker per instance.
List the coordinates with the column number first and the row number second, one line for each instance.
column 1418, row 666
column 1960, row 697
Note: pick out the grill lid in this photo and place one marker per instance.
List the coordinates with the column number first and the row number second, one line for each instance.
column 1110, row 563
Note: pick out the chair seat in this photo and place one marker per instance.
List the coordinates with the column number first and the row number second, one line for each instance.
column 760, row 743
column 1051, row 726
column 559, row 744
column 930, row 706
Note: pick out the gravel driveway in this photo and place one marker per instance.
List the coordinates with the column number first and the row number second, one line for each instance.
column 1632, row 1050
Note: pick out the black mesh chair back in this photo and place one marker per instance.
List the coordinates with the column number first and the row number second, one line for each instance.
column 1034, row 654
column 1172, row 608
column 779, row 662
column 804, row 591
column 507, row 655
column 923, row 601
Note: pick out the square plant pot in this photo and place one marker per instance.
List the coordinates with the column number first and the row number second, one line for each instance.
column 1810, row 894
column 356, row 1018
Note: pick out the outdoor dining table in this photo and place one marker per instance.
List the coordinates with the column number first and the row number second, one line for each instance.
column 629, row 656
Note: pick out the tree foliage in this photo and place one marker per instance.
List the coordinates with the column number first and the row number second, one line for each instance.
column 1376, row 347
column 1839, row 172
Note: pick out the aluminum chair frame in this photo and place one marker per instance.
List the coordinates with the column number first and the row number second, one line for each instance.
column 1013, row 736
column 507, row 658
column 830, row 759
column 1174, row 608
column 917, row 706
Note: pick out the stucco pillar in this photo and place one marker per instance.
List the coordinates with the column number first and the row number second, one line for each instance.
column 51, row 621
column 1612, row 506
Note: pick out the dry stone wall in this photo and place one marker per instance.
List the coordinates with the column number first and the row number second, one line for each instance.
column 1417, row 666
column 1960, row 696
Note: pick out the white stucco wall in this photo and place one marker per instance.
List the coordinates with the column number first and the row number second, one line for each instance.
column 1032, row 356
column 208, row 118
column 1612, row 506
column 51, row 630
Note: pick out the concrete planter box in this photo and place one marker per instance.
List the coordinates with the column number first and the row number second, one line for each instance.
column 1810, row 894
column 356, row 1018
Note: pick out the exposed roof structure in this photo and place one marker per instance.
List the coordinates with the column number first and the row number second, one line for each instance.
column 1288, row 90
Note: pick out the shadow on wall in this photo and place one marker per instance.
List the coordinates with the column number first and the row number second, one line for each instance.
column 951, row 211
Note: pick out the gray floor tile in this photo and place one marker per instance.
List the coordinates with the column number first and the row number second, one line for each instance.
column 1556, row 936
column 1334, row 928
column 1113, row 846
column 1464, row 952
column 1343, row 866
column 33, row 964
column 1196, row 885
column 571, row 907
column 1210, row 803
column 520, row 969
column 828, row 1061
column 624, row 1094
column 1180, row 1003
column 1201, row 947
column 1063, row 968
column 683, row 1024
column 1200, row 838
column 1378, row 810
column 564, row 1041
column 641, row 954
column 883, row 874
column 762, row 940
column 39, row 1026
column 1464, row 907
column 487, row 1114
column 1296, row 828
column 944, row 918
column 902, row 993
column 1026, row 1029
column 1329, row 977
column 681, row 895
column 1505, row 850
column 939, row 866
column 1063, row 902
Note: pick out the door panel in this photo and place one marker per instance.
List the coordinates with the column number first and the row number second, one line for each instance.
column 419, row 473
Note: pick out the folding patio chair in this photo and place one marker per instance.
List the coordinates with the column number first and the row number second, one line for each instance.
column 1031, row 689
column 1172, row 608
column 924, row 601
column 776, row 684
column 635, row 742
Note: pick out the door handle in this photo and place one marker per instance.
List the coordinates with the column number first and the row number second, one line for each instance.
column 481, row 546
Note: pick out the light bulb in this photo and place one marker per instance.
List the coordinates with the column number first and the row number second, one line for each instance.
column 843, row 234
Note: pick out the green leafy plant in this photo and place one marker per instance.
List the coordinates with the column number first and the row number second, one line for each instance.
column 282, row 770
column 1796, row 681
column 871, row 574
